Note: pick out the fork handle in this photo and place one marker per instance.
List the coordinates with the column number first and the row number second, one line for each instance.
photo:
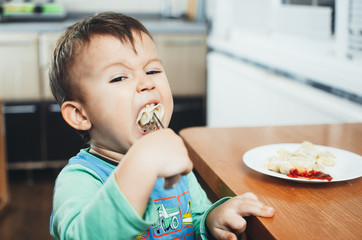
column 170, row 182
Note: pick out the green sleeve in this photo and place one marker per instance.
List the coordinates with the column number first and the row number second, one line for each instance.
column 86, row 208
column 200, row 207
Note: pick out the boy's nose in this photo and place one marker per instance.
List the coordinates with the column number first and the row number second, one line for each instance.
column 145, row 83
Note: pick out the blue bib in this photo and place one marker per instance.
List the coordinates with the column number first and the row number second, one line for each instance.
column 173, row 205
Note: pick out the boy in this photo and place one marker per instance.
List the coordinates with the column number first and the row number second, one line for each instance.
column 109, row 81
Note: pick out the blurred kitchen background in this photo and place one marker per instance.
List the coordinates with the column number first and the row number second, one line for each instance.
column 229, row 63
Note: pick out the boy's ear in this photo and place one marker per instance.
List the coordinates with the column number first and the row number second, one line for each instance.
column 74, row 114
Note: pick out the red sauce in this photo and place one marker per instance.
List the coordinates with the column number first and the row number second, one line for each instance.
column 294, row 173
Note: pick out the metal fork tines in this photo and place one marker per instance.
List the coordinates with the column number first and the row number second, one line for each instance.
column 157, row 121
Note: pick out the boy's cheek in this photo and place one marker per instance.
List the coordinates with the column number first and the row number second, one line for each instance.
column 169, row 110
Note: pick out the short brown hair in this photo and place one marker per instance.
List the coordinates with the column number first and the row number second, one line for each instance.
column 79, row 35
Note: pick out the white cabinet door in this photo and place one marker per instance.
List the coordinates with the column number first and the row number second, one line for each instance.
column 241, row 94
column 47, row 44
column 184, row 60
column 19, row 69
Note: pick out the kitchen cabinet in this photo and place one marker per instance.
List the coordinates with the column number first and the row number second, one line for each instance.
column 3, row 176
column 184, row 60
column 45, row 138
column 19, row 69
column 47, row 44
column 23, row 137
column 25, row 58
column 62, row 141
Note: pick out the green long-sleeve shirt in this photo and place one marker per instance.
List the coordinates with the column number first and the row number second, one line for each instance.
column 85, row 207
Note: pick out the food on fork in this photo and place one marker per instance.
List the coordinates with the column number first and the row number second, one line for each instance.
column 305, row 162
column 145, row 120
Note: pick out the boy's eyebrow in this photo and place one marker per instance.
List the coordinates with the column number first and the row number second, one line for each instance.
column 124, row 65
column 115, row 64
column 153, row 60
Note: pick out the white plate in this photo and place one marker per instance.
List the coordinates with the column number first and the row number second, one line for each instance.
column 348, row 165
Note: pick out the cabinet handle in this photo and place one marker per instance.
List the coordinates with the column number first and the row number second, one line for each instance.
column 182, row 107
column 19, row 109
column 55, row 108
column 184, row 42
column 21, row 44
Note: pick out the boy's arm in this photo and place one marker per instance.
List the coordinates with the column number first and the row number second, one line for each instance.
column 81, row 202
column 85, row 208
column 160, row 154
column 200, row 206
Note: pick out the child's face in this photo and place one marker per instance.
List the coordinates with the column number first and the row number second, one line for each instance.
column 115, row 83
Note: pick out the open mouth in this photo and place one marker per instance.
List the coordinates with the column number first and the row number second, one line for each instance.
column 145, row 121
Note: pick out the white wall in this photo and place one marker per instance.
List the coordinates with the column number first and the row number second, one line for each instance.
column 139, row 6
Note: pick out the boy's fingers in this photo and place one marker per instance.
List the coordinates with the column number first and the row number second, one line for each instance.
column 248, row 195
column 247, row 207
column 223, row 234
column 231, row 227
column 237, row 224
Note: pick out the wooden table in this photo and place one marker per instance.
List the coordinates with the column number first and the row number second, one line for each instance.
column 303, row 210
column 3, row 176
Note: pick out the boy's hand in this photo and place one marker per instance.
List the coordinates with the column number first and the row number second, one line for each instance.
column 164, row 152
column 226, row 221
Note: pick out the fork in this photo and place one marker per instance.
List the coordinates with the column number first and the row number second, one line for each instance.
column 170, row 182
column 157, row 121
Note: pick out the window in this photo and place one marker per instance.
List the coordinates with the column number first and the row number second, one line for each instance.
column 322, row 3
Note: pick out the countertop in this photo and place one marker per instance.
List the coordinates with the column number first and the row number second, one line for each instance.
column 323, row 210
column 318, row 66
column 154, row 23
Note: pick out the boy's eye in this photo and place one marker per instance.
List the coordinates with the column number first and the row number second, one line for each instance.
column 118, row 79
column 152, row 72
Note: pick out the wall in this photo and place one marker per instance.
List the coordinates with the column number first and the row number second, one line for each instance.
column 139, row 6
column 127, row 6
